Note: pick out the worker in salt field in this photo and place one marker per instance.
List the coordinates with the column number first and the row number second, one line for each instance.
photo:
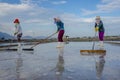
column 18, row 30
column 60, row 31
column 100, row 29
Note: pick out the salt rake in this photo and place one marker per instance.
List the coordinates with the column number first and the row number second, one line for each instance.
column 31, row 48
column 25, row 49
column 92, row 50
column 8, row 49
column 14, row 49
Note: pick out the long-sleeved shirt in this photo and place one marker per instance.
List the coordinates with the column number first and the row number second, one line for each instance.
column 18, row 29
column 60, row 25
column 100, row 26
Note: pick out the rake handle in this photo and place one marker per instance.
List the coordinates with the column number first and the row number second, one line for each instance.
column 45, row 39
column 94, row 42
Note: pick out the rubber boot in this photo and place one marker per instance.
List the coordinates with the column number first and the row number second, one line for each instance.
column 59, row 45
column 101, row 44
column 19, row 47
column 62, row 44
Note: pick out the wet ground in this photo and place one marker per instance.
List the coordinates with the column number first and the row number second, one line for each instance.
column 49, row 63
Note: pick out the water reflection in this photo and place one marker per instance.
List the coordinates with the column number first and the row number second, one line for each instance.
column 19, row 48
column 99, row 59
column 60, row 64
column 100, row 65
column 19, row 64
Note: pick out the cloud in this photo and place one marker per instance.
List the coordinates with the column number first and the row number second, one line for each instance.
column 105, row 7
column 34, row 2
column 32, row 17
column 80, row 26
column 7, row 9
column 111, row 20
column 72, row 18
column 59, row 2
column 6, row 28
column 42, row 22
column 39, row 20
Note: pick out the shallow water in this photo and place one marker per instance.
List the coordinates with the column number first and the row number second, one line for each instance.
column 49, row 63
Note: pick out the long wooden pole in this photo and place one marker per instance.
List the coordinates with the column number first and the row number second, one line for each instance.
column 45, row 38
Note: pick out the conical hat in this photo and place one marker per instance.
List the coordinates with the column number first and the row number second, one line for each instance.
column 97, row 17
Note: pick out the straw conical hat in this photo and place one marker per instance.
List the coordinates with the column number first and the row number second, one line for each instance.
column 97, row 17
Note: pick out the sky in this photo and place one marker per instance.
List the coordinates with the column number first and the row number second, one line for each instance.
column 36, row 16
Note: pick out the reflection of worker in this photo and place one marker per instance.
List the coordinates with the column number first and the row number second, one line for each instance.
column 60, row 31
column 18, row 30
column 99, row 27
column 19, row 64
column 99, row 66
column 60, row 64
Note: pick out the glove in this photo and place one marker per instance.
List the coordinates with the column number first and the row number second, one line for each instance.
column 96, row 29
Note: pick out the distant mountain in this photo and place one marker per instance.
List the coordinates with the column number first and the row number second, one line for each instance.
column 27, row 37
column 40, row 37
column 5, row 36
column 30, row 37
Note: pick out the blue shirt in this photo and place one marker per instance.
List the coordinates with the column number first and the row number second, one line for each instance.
column 60, row 25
